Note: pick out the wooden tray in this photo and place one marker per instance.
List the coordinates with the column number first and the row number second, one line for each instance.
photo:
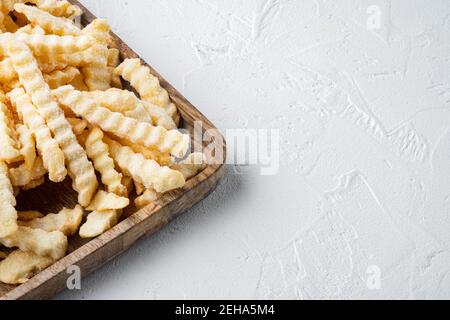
column 90, row 255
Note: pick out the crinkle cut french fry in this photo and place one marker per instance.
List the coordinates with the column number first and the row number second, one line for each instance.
column 82, row 170
column 113, row 57
column 20, row 266
column 3, row 255
column 49, row 45
column 98, row 222
column 192, row 165
column 99, row 30
column 60, row 78
column 52, row 155
column 33, row 184
column 22, row 176
column 164, row 140
column 148, row 197
column 8, row 214
column 108, row 201
column 97, row 75
column 8, row 150
column 98, row 152
column 43, row 243
column 58, row 8
column 50, row 23
column 78, row 83
column 146, row 84
column 78, row 125
column 66, row 221
column 147, row 172
column 7, row 73
column 163, row 159
column 28, row 146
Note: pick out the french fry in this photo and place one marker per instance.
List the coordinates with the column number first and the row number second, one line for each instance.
column 48, row 148
column 148, row 197
column 43, row 243
column 20, row 266
column 97, row 76
column 8, row 146
column 51, row 24
column 113, row 57
column 145, row 83
column 104, row 201
column 48, row 45
column 99, row 30
column 66, row 221
column 7, row 72
column 34, row 184
column 58, row 8
column 22, row 176
column 139, row 188
column 147, row 172
column 192, row 165
column 98, row 152
column 150, row 136
column 60, row 78
column 81, row 169
column 78, row 125
column 98, row 222
column 164, row 159
column 24, row 216
column 78, row 83
column 28, row 146
column 8, row 214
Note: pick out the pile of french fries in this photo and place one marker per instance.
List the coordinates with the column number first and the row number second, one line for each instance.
column 64, row 114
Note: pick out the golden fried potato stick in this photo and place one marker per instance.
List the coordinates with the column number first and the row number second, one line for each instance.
column 60, row 78
column 8, row 214
column 97, row 75
column 104, row 201
column 113, row 57
column 7, row 74
column 164, row 159
column 34, row 184
column 81, row 169
column 8, row 146
column 20, row 266
column 99, row 30
column 48, row 148
column 150, row 136
column 139, row 188
column 58, row 8
column 78, row 125
column 142, row 170
column 148, row 197
column 28, row 146
column 9, row 24
column 43, row 243
column 98, row 152
column 24, row 216
column 98, row 222
column 50, row 23
column 48, row 45
column 145, row 83
column 78, row 83
column 22, row 176
column 67, row 221
column 192, row 165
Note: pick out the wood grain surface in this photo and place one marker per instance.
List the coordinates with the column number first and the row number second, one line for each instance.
column 92, row 254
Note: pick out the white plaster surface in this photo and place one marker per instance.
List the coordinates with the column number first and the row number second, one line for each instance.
column 364, row 180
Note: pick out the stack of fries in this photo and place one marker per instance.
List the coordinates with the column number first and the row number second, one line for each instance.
column 63, row 112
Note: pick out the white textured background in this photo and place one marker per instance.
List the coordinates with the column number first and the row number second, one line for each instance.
column 365, row 129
